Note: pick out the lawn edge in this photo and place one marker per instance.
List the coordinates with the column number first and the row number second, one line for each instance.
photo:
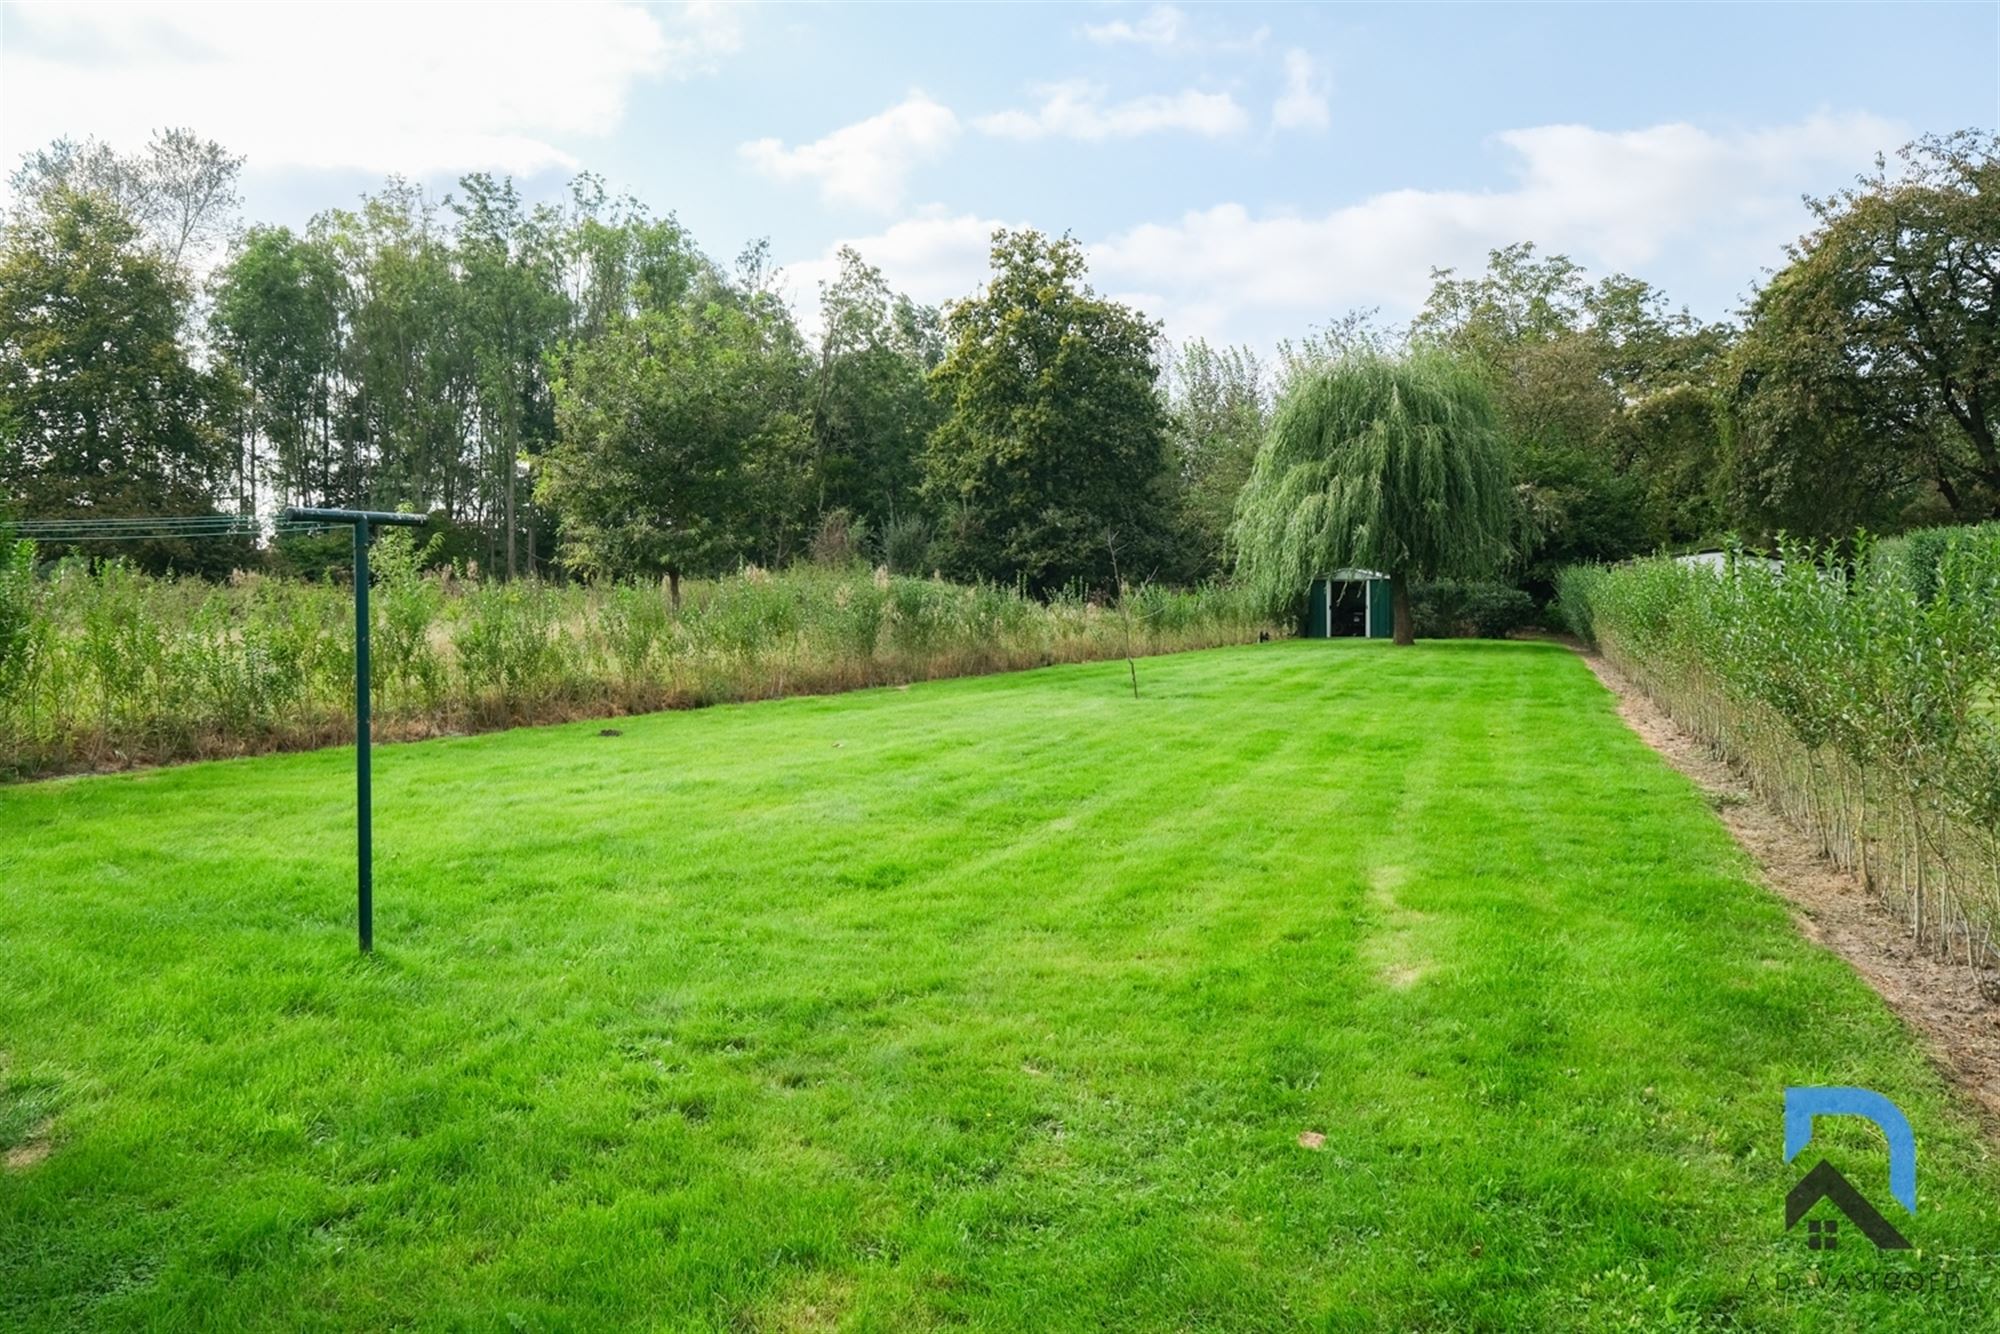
column 408, row 732
column 1944, row 1004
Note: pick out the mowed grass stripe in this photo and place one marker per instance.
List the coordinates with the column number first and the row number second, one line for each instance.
column 998, row 1002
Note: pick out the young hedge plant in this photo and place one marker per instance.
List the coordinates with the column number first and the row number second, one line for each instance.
column 1393, row 464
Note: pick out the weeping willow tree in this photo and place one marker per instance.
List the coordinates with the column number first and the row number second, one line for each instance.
column 1393, row 464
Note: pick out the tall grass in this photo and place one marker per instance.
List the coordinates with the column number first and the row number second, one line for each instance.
column 108, row 666
column 1862, row 696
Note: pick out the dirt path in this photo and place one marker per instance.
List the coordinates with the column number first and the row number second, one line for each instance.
column 1940, row 1001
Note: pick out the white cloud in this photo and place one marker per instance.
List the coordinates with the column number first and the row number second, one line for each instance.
column 1703, row 205
column 1250, row 41
column 867, row 163
column 1163, row 27
column 699, row 34
column 1166, row 29
column 1715, row 203
column 410, row 88
column 1078, row 110
column 1302, row 103
column 934, row 257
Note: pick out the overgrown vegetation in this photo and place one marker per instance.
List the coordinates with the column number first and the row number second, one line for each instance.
column 111, row 666
column 578, row 387
column 1470, row 609
column 1862, row 695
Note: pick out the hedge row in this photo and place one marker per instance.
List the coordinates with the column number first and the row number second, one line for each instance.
column 1862, row 694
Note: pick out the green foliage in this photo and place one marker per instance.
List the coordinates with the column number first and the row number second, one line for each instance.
column 1458, row 609
column 1606, row 396
column 180, row 191
column 1671, row 437
column 1359, row 332
column 871, row 412
column 1217, row 416
column 17, row 612
column 1053, row 437
column 582, row 379
column 406, row 352
column 101, row 409
column 840, row 541
column 276, row 316
column 673, row 425
column 1383, row 464
column 1916, row 557
column 408, row 670
column 906, row 544
column 103, row 665
column 510, row 263
column 1866, row 694
column 1578, row 590
column 1868, row 380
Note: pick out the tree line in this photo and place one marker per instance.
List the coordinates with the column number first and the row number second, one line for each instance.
column 580, row 387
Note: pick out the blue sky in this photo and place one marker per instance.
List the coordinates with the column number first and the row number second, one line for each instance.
column 1241, row 172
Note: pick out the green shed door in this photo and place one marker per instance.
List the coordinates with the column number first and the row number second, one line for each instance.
column 1381, row 611
column 1315, row 626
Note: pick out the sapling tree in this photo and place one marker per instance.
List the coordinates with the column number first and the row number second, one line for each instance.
column 1124, row 606
column 1385, row 463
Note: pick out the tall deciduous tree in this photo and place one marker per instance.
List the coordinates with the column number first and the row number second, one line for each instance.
column 1053, row 435
column 1396, row 465
column 1356, row 331
column 276, row 316
column 180, row 190
column 408, row 421
column 672, row 426
column 1869, row 377
column 1605, row 394
column 509, row 260
column 1216, row 417
column 871, row 413
column 101, row 409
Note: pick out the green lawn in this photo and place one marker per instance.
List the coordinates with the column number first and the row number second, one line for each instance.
column 998, row 1003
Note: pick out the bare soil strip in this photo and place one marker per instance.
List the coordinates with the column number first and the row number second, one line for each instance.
column 1940, row 1001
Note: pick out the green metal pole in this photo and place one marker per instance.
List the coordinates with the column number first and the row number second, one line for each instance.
column 365, row 863
column 363, row 521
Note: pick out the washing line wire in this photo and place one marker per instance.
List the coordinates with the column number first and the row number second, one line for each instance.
column 156, row 528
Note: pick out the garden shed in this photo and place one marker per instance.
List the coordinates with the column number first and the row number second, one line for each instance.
column 1348, row 604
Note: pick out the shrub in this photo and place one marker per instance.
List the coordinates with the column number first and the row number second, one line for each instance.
column 840, row 539
column 1451, row 609
column 906, row 545
column 1864, row 695
column 1914, row 557
column 1577, row 588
